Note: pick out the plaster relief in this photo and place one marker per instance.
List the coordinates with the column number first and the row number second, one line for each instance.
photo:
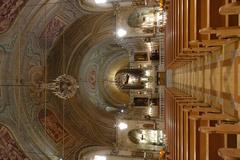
column 9, row 10
column 9, row 149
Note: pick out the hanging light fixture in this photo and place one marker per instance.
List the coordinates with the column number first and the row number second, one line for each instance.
column 64, row 86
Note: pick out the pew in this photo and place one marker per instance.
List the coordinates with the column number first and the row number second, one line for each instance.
column 230, row 9
column 213, row 116
column 193, row 134
column 222, row 128
column 229, row 153
column 212, row 42
column 202, row 109
column 202, row 49
column 222, row 31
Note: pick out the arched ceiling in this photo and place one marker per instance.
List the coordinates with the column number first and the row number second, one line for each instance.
column 89, row 54
column 43, row 40
column 97, row 72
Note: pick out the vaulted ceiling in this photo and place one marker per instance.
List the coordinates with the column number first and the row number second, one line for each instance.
column 40, row 40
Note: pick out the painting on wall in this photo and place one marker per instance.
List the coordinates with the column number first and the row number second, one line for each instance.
column 9, row 10
column 9, row 148
column 52, row 125
column 52, row 30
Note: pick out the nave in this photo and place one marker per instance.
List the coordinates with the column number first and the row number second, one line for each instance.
column 202, row 104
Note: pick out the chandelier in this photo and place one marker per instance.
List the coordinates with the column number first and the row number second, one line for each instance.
column 64, row 86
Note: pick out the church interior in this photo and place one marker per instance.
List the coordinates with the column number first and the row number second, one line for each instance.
column 119, row 79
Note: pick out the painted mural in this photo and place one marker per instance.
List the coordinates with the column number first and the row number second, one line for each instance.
column 52, row 125
column 92, row 77
column 9, row 149
column 9, row 10
column 53, row 29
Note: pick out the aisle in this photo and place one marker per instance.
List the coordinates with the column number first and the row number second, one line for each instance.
column 213, row 78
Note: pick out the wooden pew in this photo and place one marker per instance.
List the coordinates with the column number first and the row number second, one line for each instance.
column 192, row 145
column 203, row 109
column 197, row 104
column 213, row 42
column 213, row 141
column 184, row 127
column 222, row 128
column 222, row 31
column 197, row 142
column 229, row 153
column 202, row 49
column 219, row 42
column 230, row 9
column 214, row 116
column 176, row 132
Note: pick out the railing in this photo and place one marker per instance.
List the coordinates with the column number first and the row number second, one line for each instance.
column 162, row 53
column 162, row 104
column 162, row 69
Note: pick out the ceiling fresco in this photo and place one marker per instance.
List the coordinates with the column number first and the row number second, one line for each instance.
column 52, row 125
column 9, row 147
column 85, row 122
column 102, row 61
column 9, row 10
column 32, row 45
column 51, row 32
column 47, row 39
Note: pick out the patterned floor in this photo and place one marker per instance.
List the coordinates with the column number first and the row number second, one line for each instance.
column 214, row 78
